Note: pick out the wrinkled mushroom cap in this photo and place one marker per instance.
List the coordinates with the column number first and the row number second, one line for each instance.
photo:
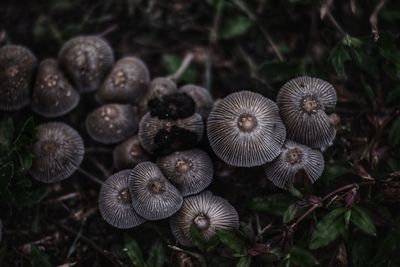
column 201, row 97
column 129, row 153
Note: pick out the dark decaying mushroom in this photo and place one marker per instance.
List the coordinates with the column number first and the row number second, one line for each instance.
column 17, row 65
column 303, row 103
column 115, row 202
column 245, row 129
column 201, row 97
column 53, row 95
column 172, row 106
column 153, row 196
column 158, row 87
column 191, row 171
column 58, row 152
column 293, row 159
column 206, row 212
column 129, row 153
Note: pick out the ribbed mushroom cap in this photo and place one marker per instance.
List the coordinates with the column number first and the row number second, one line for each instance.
column 294, row 158
column 58, row 152
column 153, row 131
column 303, row 103
column 245, row 129
column 191, row 171
column 126, row 83
column 201, row 97
column 208, row 213
column 86, row 60
column 17, row 65
column 158, row 87
column 112, row 123
column 115, row 202
column 53, row 95
column 153, row 196
column 129, row 153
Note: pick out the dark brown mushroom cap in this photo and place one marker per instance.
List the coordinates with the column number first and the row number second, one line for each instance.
column 129, row 153
column 303, row 103
column 153, row 196
column 115, row 202
column 191, row 171
column 245, row 129
column 126, row 83
column 295, row 157
column 17, row 65
column 86, row 60
column 58, row 152
column 53, row 95
column 208, row 213
column 201, row 97
column 158, row 87
column 112, row 123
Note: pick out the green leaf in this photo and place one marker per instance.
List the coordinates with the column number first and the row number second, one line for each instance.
column 328, row 229
column 39, row 259
column 290, row 213
column 156, row 255
column 244, row 262
column 197, row 239
column 275, row 204
column 302, row 257
column 6, row 175
column 347, row 215
column 6, row 133
column 235, row 26
column 134, row 252
column 173, row 62
column 338, row 57
column 232, row 240
column 387, row 249
column 361, row 219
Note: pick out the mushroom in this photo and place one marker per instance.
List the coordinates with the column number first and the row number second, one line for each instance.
column 303, row 103
column 191, row 171
column 127, row 82
column 112, row 123
column 206, row 212
column 172, row 106
column 294, row 158
column 129, row 153
column 115, row 202
column 153, row 196
column 58, row 152
column 53, row 95
column 245, row 129
column 86, row 60
column 17, row 65
column 201, row 97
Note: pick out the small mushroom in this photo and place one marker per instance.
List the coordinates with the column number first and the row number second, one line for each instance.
column 58, row 152
column 127, row 82
column 172, row 106
column 202, row 98
column 153, row 196
column 158, row 87
column 129, row 153
column 17, row 65
column 86, row 60
column 303, row 103
column 53, row 95
column 245, row 129
column 294, row 158
column 115, row 202
column 206, row 212
column 112, row 123
column 191, row 171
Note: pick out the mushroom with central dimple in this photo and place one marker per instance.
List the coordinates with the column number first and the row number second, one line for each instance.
column 245, row 129
column 129, row 153
column 112, row 123
column 153, row 196
column 115, row 202
column 58, row 152
column 303, row 103
column 206, row 212
column 294, row 158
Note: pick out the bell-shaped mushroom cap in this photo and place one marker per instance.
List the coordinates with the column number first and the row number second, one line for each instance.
column 158, row 87
column 115, row 202
column 129, row 153
column 86, row 60
column 155, row 133
column 58, row 152
column 303, row 103
column 126, row 83
column 201, row 97
column 294, row 158
column 191, row 171
column 245, row 129
column 53, row 95
column 112, row 123
column 153, row 196
column 206, row 212
column 17, row 65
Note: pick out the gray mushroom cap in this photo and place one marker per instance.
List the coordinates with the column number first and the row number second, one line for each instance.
column 208, row 213
column 129, row 153
column 115, row 202
column 201, row 97
column 158, row 87
column 245, row 129
column 58, row 152
column 295, row 157
column 153, row 196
